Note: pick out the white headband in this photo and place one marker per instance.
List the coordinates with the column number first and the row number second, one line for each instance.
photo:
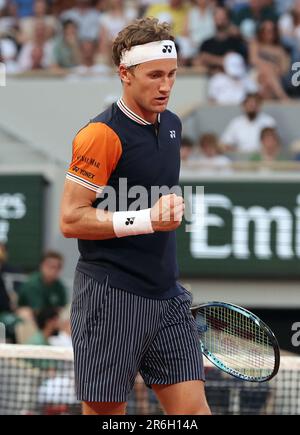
column 151, row 51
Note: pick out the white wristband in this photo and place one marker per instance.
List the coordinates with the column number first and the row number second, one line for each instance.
column 132, row 223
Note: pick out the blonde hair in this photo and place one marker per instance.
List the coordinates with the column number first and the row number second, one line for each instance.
column 140, row 32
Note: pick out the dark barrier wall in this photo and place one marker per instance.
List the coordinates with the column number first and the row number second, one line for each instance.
column 22, row 218
column 286, row 326
column 250, row 229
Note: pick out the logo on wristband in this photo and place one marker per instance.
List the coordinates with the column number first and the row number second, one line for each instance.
column 129, row 221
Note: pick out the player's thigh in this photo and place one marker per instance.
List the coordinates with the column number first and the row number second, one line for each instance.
column 184, row 398
column 104, row 408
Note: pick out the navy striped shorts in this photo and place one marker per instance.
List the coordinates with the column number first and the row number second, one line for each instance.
column 117, row 334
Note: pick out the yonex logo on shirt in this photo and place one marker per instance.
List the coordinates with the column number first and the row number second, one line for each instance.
column 172, row 134
column 167, row 48
column 129, row 221
column 83, row 172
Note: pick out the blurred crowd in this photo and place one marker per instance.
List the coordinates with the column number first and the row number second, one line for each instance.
column 246, row 48
column 251, row 141
column 35, row 311
column 243, row 45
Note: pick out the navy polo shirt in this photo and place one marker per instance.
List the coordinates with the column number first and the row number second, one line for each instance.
column 120, row 145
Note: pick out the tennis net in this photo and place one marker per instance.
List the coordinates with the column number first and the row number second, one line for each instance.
column 40, row 380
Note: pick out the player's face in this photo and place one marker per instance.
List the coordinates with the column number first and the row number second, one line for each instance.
column 150, row 84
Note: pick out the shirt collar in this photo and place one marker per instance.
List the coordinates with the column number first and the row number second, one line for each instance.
column 130, row 114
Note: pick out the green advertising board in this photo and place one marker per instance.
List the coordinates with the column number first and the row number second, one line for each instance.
column 21, row 218
column 248, row 229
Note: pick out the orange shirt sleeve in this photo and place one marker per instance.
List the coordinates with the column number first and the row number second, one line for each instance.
column 96, row 152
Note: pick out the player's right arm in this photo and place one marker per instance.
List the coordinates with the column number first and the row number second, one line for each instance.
column 96, row 152
column 80, row 220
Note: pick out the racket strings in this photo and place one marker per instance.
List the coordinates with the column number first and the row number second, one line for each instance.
column 238, row 341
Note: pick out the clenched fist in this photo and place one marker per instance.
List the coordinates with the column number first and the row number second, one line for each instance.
column 167, row 213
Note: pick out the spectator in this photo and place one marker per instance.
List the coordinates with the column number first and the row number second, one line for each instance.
column 211, row 154
column 88, row 66
column 40, row 11
column 271, row 148
column 9, row 22
column 8, row 55
column 101, row 6
column 213, row 50
column 232, row 86
column 289, row 27
column 295, row 150
column 25, row 7
column 186, row 149
column 63, row 338
column 47, row 321
column 243, row 133
column 44, row 288
column 283, row 6
column 7, row 268
column 199, row 24
column 173, row 12
column 235, row 5
column 86, row 18
column 111, row 23
column 59, row 6
column 4, row 298
column 38, row 53
column 270, row 60
column 7, row 315
column 256, row 11
column 66, row 51
column 143, row 5
column 5, row 305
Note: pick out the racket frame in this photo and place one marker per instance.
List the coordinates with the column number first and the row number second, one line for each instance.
column 218, row 363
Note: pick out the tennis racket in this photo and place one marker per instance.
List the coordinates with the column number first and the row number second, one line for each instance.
column 237, row 341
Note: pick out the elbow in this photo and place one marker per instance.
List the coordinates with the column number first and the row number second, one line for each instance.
column 66, row 227
column 66, row 232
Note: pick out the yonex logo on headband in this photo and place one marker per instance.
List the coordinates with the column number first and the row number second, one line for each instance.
column 167, row 48
column 146, row 52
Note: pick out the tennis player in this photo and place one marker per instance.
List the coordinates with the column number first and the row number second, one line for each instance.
column 129, row 313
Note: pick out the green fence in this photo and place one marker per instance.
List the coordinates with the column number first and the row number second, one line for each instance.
column 249, row 229
column 22, row 218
